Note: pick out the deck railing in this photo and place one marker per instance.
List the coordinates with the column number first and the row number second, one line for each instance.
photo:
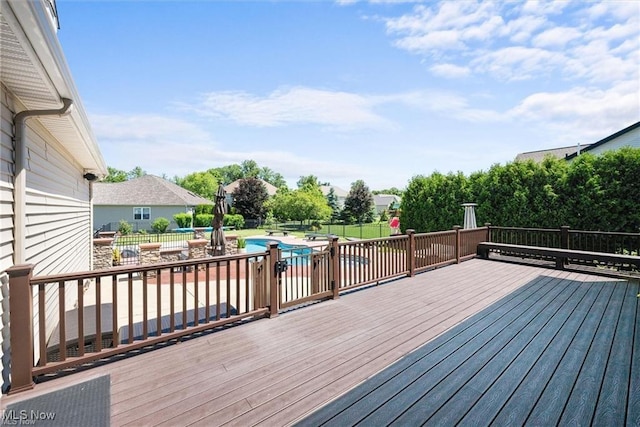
column 126, row 308
column 566, row 238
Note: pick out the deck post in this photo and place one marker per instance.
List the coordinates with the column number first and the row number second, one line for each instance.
column 488, row 225
column 458, row 246
column 274, row 278
column 411, row 252
column 564, row 237
column 334, row 271
column 21, row 327
column 564, row 244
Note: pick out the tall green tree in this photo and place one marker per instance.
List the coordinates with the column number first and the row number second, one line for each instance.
column 227, row 174
column 332, row 202
column 250, row 169
column 201, row 183
column 247, row 169
column 118, row 175
column 273, row 178
column 358, row 204
column 115, row 175
column 300, row 205
column 249, row 199
column 136, row 172
column 310, row 181
column 393, row 190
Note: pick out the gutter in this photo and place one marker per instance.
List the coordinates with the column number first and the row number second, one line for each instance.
column 20, row 179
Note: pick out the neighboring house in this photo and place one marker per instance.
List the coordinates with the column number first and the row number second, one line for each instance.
column 627, row 137
column 271, row 190
column 558, row 153
column 339, row 192
column 140, row 201
column 383, row 202
column 49, row 157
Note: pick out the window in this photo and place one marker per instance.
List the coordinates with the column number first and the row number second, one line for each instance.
column 141, row 213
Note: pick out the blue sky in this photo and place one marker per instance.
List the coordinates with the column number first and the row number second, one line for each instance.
column 346, row 90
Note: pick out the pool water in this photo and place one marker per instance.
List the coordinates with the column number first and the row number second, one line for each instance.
column 260, row 245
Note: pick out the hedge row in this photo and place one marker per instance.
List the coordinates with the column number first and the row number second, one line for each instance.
column 590, row 193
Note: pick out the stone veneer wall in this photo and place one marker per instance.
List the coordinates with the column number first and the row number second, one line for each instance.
column 169, row 255
column 102, row 253
column 150, row 254
column 198, row 250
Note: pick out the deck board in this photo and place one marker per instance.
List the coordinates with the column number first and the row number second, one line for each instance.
column 565, row 358
column 511, row 339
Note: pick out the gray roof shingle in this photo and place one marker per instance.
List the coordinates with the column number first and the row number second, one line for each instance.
column 147, row 190
column 559, row 153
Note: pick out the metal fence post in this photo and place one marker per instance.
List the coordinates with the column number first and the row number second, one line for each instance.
column 411, row 252
column 274, row 278
column 21, row 327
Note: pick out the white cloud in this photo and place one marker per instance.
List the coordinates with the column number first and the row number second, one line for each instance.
column 544, row 7
column 290, row 106
column 162, row 144
column 588, row 111
column 526, row 39
column 145, row 127
column 517, row 63
column 451, row 71
column 556, row 37
column 432, row 41
column 448, row 104
column 521, row 29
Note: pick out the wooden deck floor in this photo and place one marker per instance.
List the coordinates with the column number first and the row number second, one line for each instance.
column 558, row 351
column 311, row 364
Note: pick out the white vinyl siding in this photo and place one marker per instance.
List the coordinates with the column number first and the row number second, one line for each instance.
column 58, row 216
column 6, row 224
column 6, row 182
column 629, row 139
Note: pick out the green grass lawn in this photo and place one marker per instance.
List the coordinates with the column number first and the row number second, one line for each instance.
column 366, row 231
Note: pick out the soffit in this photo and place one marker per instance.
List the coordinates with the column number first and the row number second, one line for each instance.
column 25, row 76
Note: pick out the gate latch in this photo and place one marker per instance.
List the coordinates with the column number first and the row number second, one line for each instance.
column 281, row 266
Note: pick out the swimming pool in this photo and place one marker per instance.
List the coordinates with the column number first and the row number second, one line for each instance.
column 260, row 245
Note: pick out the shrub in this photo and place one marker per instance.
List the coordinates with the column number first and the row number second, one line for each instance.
column 236, row 221
column 203, row 220
column 183, row 219
column 160, row 225
column 116, row 256
column 204, row 209
column 241, row 243
column 125, row 228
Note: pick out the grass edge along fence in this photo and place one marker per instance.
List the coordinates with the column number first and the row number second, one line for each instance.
column 358, row 231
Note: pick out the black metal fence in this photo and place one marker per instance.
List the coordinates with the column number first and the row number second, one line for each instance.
column 359, row 231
